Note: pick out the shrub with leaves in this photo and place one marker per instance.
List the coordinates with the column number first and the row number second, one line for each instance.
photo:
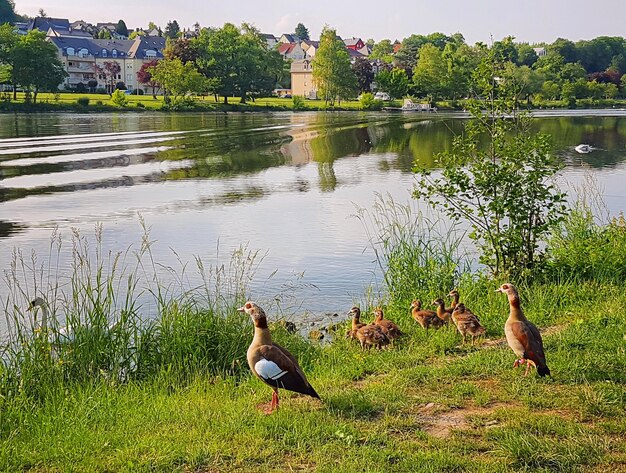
column 498, row 177
column 368, row 102
column 298, row 102
column 119, row 98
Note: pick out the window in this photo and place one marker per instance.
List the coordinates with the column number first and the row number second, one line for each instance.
column 150, row 53
column 83, row 52
column 129, row 78
column 70, row 51
column 114, row 53
column 104, row 53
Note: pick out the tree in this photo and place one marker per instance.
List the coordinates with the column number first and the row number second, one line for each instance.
column 302, row 32
column 136, row 33
column 364, row 74
column 172, row 29
column 394, row 82
column 526, row 55
column 181, row 48
column 429, row 75
column 383, row 50
column 498, row 178
column 237, row 61
column 177, row 78
column 109, row 72
column 332, row 73
column 7, row 12
column 121, row 28
column 104, row 33
column 92, row 84
column 36, row 65
column 144, row 76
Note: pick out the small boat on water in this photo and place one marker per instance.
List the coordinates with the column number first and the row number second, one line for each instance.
column 584, row 149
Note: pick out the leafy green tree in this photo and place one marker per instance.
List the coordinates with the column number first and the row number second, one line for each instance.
column 505, row 50
column 104, row 34
column 136, row 33
column 172, row 29
column 7, row 12
column 564, row 48
column 526, row 55
column 498, row 178
column 36, row 65
column 550, row 65
column 383, row 50
column 178, row 79
column 121, row 28
column 394, row 82
column 550, row 90
column 571, row 71
column 119, row 98
column 237, row 61
column 596, row 55
column 430, row 73
column 8, row 40
column 332, row 73
column 302, row 32
column 364, row 74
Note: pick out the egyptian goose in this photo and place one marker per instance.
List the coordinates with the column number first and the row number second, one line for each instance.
column 443, row 313
column 426, row 318
column 466, row 322
column 522, row 336
column 270, row 362
column 355, row 312
column 372, row 335
column 454, row 293
column 389, row 328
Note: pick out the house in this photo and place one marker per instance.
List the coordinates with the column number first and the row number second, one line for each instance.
column 270, row 40
column 310, row 48
column 82, row 57
column 354, row 55
column 540, row 52
column 291, row 51
column 288, row 38
column 302, row 79
column 354, row 43
column 110, row 27
column 44, row 23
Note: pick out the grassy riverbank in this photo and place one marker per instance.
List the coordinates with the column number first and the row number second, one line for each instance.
column 76, row 102
column 186, row 401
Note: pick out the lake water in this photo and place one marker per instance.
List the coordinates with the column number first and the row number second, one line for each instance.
column 283, row 183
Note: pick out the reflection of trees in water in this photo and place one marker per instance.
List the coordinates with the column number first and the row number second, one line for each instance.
column 606, row 133
column 328, row 179
column 9, row 228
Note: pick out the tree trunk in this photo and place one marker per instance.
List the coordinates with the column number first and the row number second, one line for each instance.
column 14, row 93
column 225, row 99
column 35, row 95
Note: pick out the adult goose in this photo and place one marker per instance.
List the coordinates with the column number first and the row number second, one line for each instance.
column 426, row 318
column 270, row 362
column 522, row 336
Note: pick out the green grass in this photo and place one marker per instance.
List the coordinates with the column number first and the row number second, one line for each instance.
column 187, row 401
column 102, row 102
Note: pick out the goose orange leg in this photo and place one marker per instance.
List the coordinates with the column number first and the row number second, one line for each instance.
column 519, row 362
column 529, row 363
column 274, row 404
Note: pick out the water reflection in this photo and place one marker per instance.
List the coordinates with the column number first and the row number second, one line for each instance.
column 293, row 178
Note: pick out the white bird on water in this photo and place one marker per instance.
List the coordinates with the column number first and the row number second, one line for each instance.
column 584, row 149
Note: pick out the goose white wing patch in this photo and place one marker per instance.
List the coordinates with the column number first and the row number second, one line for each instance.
column 268, row 369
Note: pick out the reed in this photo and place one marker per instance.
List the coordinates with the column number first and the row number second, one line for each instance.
column 110, row 317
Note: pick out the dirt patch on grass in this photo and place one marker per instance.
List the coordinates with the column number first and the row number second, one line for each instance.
column 441, row 423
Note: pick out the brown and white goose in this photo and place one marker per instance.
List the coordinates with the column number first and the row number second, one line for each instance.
column 522, row 336
column 426, row 318
column 389, row 328
column 466, row 322
column 270, row 362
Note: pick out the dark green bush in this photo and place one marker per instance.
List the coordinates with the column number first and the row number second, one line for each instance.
column 82, row 101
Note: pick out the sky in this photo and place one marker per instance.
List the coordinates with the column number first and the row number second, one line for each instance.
column 531, row 21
